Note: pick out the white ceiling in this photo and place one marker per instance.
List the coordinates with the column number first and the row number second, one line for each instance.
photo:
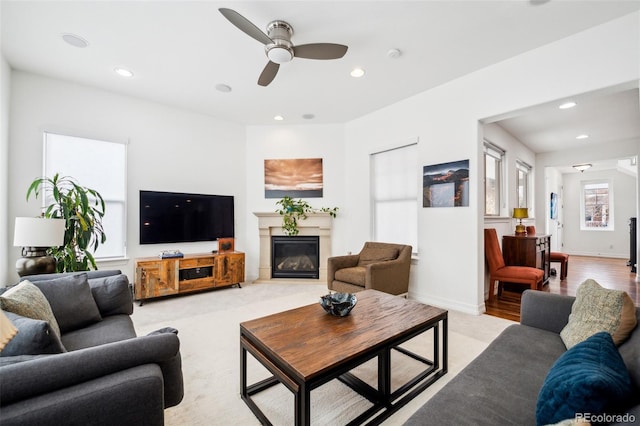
column 180, row 50
column 607, row 116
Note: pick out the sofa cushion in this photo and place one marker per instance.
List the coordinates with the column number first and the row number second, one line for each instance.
column 71, row 301
column 370, row 255
column 34, row 337
column 495, row 389
column 113, row 328
column 598, row 309
column 112, row 294
column 591, row 377
column 25, row 299
column 353, row 275
column 630, row 352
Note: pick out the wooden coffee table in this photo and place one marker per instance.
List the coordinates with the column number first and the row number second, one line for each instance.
column 305, row 348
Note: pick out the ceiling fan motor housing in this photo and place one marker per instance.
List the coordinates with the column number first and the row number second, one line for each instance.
column 281, row 50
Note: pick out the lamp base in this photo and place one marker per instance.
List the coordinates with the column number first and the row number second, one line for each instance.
column 35, row 261
column 521, row 230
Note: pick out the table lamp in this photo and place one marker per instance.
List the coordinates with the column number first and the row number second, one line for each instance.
column 36, row 235
column 520, row 213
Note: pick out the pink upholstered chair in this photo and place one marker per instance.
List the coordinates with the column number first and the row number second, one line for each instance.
column 501, row 273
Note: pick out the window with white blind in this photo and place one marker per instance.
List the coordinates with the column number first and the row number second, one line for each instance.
column 98, row 165
column 394, row 187
column 493, row 172
column 523, row 178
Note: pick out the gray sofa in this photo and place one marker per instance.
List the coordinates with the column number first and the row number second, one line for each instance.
column 105, row 374
column 501, row 386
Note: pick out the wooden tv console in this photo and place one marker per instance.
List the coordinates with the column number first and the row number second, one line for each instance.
column 157, row 277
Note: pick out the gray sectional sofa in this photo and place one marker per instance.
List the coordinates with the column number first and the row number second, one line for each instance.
column 501, row 386
column 99, row 372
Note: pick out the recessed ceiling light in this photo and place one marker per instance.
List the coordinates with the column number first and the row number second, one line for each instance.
column 583, row 136
column 123, row 72
column 394, row 53
column 308, row 116
column 357, row 72
column 74, row 40
column 567, row 105
column 223, row 88
column 278, row 118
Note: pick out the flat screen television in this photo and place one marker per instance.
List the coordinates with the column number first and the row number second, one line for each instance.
column 174, row 217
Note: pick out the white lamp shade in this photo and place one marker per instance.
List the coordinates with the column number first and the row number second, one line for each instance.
column 38, row 232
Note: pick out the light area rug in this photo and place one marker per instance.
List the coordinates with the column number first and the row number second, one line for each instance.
column 208, row 325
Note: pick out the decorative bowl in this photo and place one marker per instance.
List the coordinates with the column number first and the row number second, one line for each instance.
column 338, row 304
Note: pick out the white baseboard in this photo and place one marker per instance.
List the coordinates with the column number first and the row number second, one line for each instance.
column 448, row 304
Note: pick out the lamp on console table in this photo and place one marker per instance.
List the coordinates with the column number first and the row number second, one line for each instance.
column 36, row 235
column 520, row 213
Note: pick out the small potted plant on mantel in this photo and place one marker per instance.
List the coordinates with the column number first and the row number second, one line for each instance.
column 293, row 211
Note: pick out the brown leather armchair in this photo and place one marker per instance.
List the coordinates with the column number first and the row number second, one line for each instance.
column 379, row 266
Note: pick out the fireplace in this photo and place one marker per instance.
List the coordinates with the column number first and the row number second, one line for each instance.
column 295, row 257
column 315, row 225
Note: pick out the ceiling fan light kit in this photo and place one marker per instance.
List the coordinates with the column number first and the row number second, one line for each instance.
column 278, row 46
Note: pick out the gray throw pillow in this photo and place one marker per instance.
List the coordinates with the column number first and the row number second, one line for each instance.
column 71, row 301
column 27, row 300
column 112, row 294
column 35, row 337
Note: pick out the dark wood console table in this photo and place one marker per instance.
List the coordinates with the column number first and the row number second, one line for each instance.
column 528, row 250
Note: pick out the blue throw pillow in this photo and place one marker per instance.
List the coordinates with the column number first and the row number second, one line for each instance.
column 34, row 337
column 591, row 377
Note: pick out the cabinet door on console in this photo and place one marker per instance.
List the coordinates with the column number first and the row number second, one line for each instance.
column 156, row 278
column 229, row 269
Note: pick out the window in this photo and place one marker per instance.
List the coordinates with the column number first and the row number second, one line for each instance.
column 596, row 207
column 98, row 165
column 493, row 161
column 394, row 186
column 523, row 172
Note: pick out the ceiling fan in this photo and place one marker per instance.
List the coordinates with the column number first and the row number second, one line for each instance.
column 278, row 46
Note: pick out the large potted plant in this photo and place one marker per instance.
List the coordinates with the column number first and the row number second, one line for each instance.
column 293, row 211
column 82, row 209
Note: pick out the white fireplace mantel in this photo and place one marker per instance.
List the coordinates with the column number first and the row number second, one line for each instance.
column 316, row 224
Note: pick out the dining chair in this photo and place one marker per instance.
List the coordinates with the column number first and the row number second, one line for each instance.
column 502, row 273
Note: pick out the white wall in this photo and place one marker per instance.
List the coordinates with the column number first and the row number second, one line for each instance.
column 445, row 120
column 169, row 150
column 599, row 243
column 289, row 142
column 5, row 95
column 229, row 158
column 554, row 184
column 514, row 151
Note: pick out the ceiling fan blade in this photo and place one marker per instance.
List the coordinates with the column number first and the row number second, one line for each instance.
column 268, row 73
column 320, row 51
column 245, row 25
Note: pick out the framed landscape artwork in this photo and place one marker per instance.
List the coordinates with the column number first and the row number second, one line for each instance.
column 295, row 178
column 554, row 205
column 446, row 185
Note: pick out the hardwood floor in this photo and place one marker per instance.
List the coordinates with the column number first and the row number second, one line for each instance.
column 608, row 272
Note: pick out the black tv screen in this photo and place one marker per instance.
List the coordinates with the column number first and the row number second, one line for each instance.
column 173, row 217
